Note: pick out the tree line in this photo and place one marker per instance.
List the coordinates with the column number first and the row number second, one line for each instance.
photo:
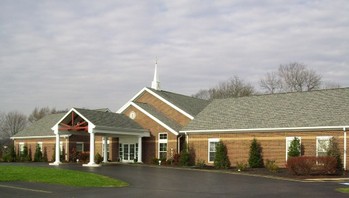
column 14, row 121
column 292, row 77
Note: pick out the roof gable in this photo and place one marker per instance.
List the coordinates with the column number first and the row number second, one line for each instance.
column 321, row 108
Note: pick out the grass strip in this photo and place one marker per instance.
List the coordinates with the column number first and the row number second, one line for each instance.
column 57, row 176
column 343, row 190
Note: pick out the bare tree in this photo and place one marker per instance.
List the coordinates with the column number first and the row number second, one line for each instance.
column 292, row 77
column 12, row 123
column 37, row 113
column 234, row 87
column 271, row 83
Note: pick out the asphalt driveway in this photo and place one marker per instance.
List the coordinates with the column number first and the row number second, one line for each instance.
column 148, row 181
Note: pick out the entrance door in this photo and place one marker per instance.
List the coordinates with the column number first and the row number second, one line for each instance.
column 128, row 153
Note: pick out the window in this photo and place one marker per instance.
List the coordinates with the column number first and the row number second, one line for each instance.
column 61, row 148
column 212, row 143
column 162, row 145
column 322, row 144
column 80, row 147
column 288, row 144
column 121, row 153
column 21, row 147
column 107, row 148
column 40, row 146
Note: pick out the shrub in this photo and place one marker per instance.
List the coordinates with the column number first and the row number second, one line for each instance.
column 44, row 156
column 155, row 161
column 255, row 155
column 312, row 165
column 9, row 155
column 200, row 163
column 240, row 166
column 295, row 148
column 184, row 159
column 98, row 158
column 221, row 159
column 38, row 154
column 271, row 165
column 333, row 151
column 176, row 158
column 84, row 157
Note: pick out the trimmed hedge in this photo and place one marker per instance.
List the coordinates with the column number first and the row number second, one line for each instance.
column 312, row 165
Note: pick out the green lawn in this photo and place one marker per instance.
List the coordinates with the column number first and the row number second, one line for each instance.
column 343, row 190
column 57, row 176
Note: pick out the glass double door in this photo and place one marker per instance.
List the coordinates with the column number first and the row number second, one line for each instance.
column 128, row 152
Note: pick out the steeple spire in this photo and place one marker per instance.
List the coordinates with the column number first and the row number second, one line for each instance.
column 155, row 84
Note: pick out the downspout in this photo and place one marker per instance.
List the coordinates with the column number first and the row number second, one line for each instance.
column 187, row 140
column 179, row 144
column 345, row 148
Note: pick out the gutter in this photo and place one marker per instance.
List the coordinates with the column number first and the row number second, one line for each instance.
column 36, row 137
column 266, row 129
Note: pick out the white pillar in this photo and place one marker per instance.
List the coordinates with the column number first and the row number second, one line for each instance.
column 92, row 151
column 105, row 146
column 139, row 157
column 57, row 151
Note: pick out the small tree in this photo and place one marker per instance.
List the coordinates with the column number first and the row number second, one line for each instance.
column 295, row 148
column 24, row 156
column 184, row 158
column 38, row 154
column 333, row 151
column 44, row 157
column 255, row 155
column 221, row 159
column 30, row 154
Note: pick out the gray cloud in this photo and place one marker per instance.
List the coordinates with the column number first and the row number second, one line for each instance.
column 99, row 54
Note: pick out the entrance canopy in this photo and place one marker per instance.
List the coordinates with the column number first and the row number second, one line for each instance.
column 84, row 121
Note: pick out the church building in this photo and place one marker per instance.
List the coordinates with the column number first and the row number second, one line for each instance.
column 155, row 124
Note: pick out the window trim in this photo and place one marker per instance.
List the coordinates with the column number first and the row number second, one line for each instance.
column 162, row 141
column 82, row 146
column 41, row 145
column 216, row 140
column 21, row 147
column 317, row 142
column 291, row 139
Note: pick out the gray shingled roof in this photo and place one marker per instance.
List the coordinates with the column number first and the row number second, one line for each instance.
column 41, row 127
column 191, row 105
column 160, row 116
column 300, row 109
column 109, row 119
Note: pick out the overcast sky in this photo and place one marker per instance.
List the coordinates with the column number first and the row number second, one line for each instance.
column 96, row 54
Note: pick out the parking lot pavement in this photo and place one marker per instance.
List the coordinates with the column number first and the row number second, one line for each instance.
column 148, row 181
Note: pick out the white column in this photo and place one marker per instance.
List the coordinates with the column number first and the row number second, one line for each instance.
column 105, row 149
column 57, row 151
column 92, row 151
column 139, row 157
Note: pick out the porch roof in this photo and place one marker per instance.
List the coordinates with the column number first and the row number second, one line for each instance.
column 106, row 122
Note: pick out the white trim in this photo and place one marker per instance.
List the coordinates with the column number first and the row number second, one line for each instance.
column 154, row 118
column 162, row 141
column 290, row 139
column 38, row 137
column 216, row 140
column 91, row 126
column 170, row 104
column 123, row 108
column 41, row 146
column 267, row 129
column 129, row 102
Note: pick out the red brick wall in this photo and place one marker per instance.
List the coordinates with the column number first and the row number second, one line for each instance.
column 150, row 144
column 164, row 108
column 273, row 144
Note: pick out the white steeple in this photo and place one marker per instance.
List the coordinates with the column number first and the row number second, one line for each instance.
column 155, row 84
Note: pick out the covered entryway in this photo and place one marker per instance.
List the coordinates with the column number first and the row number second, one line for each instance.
column 105, row 124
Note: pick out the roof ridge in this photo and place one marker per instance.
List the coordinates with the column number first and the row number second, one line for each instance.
column 284, row 93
